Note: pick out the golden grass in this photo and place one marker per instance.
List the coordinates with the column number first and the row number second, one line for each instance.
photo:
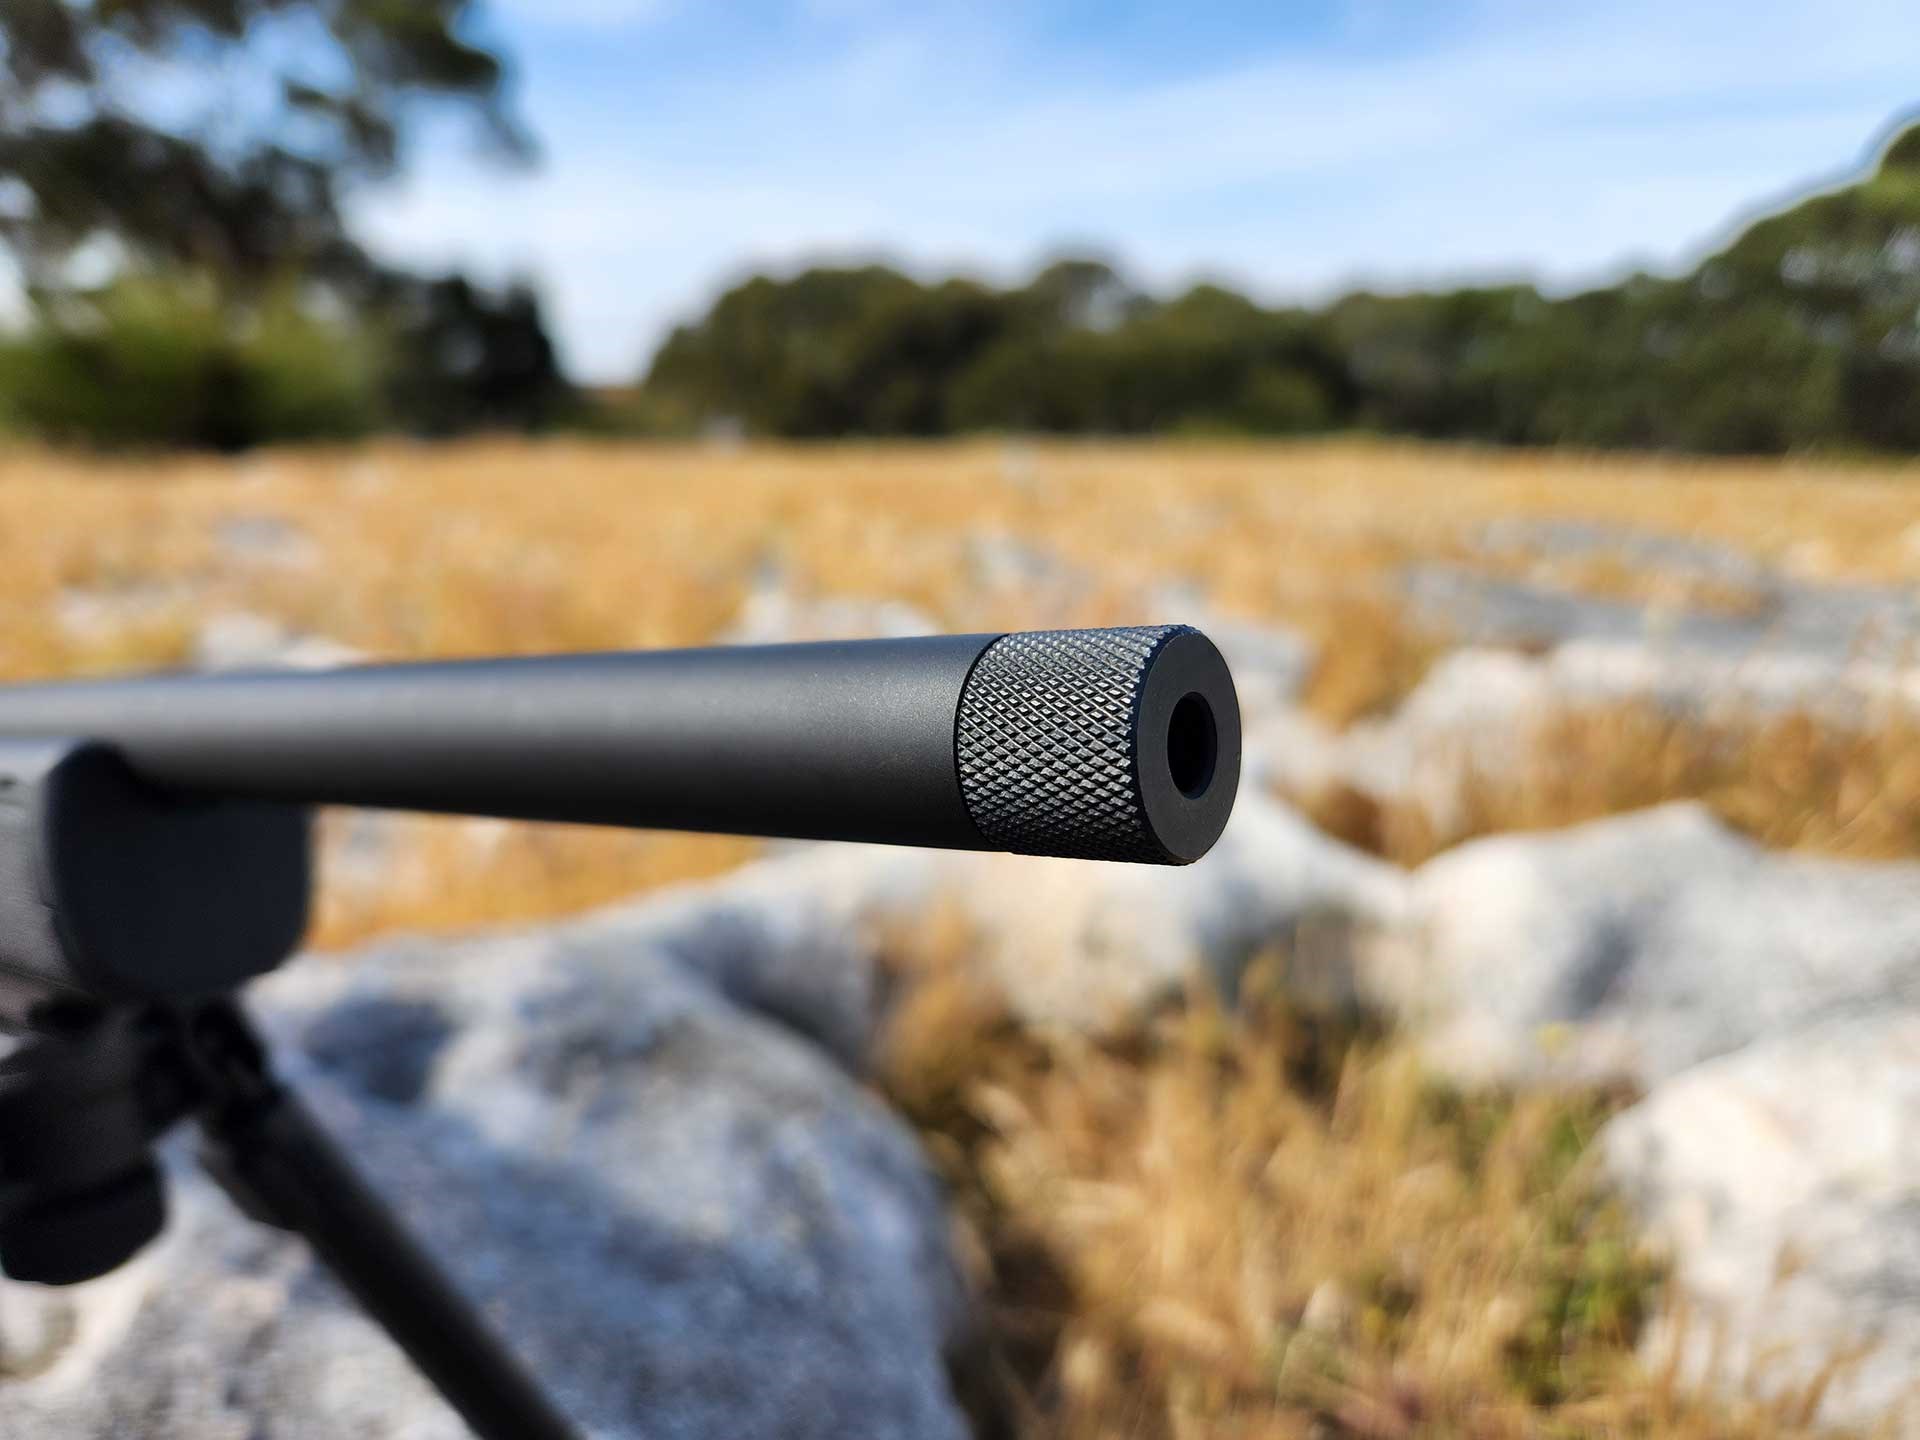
column 1247, row 1224
column 1791, row 781
column 1151, row 1217
column 1372, row 654
column 407, row 551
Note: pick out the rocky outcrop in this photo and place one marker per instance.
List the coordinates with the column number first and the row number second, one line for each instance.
column 641, row 1141
column 1769, row 1006
column 1785, row 1181
column 1680, row 593
column 1479, row 713
column 687, row 1218
column 1634, row 947
column 1091, row 946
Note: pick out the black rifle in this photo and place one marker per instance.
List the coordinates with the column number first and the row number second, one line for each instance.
column 154, row 856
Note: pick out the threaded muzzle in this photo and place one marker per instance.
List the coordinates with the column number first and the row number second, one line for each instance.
column 1119, row 744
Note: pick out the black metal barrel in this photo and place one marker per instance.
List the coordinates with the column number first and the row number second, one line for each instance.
column 1118, row 744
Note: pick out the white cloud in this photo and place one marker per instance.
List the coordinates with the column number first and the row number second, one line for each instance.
column 1566, row 142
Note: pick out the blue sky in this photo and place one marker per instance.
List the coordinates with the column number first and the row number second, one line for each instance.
column 1293, row 150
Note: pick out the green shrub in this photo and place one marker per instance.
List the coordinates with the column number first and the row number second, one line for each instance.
column 170, row 360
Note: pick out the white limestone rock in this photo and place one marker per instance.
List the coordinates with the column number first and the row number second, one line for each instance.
column 1785, row 1180
column 1636, row 946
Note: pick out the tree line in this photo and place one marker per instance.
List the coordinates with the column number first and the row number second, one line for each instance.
column 1800, row 333
column 190, row 279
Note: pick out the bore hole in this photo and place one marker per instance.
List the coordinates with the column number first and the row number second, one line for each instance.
column 1192, row 745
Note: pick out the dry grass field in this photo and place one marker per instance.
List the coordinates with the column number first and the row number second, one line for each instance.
column 1790, row 781
column 401, row 551
column 1232, row 1223
column 1243, row 1223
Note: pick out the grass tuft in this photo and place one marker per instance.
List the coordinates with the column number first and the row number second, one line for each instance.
column 1790, row 781
column 1240, row 1223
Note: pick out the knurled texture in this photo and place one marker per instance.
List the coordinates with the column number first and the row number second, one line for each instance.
column 1045, row 742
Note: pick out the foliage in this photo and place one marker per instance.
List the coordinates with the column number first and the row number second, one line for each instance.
column 467, row 360
column 830, row 352
column 164, row 361
column 176, row 359
column 1800, row 333
column 872, row 352
column 293, row 102
column 239, row 308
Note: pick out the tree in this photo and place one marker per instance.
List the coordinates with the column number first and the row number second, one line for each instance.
column 218, row 135
column 1803, row 331
column 1844, row 269
column 204, row 148
column 784, row 357
column 467, row 360
column 156, row 360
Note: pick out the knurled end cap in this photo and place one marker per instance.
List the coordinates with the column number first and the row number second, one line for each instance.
column 1120, row 744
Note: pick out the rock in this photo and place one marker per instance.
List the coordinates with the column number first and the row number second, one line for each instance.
column 687, row 1219
column 773, row 614
column 1004, row 562
column 1636, row 946
column 1842, row 652
column 789, row 938
column 243, row 640
column 1069, row 942
column 1770, row 1005
column 93, row 613
column 1270, row 663
column 382, row 1046
column 1471, row 710
column 361, row 849
column 1477, row 709
column 34, row 1328
column 1785, row 1179
column 1779, row 613
column 1090, row 946
column 268, row 541
column 1683, row 557
column 1846, row 689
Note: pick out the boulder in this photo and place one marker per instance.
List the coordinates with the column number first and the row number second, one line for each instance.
column 1271, row 663
column 243, row 640
column 1845, row 689
column 1545, row 541
column 1769, row 1005
column 1785, row 1180
column 791, row 938
column 1635, row 946
column 1471, row 711
column 1092, row 946
column 1479, row 708
column 774, row 612
column 1771, row 611
column 686, row 1217
column 1075, row 943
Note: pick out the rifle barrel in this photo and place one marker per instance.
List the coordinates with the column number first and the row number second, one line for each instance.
column 1107, row 744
